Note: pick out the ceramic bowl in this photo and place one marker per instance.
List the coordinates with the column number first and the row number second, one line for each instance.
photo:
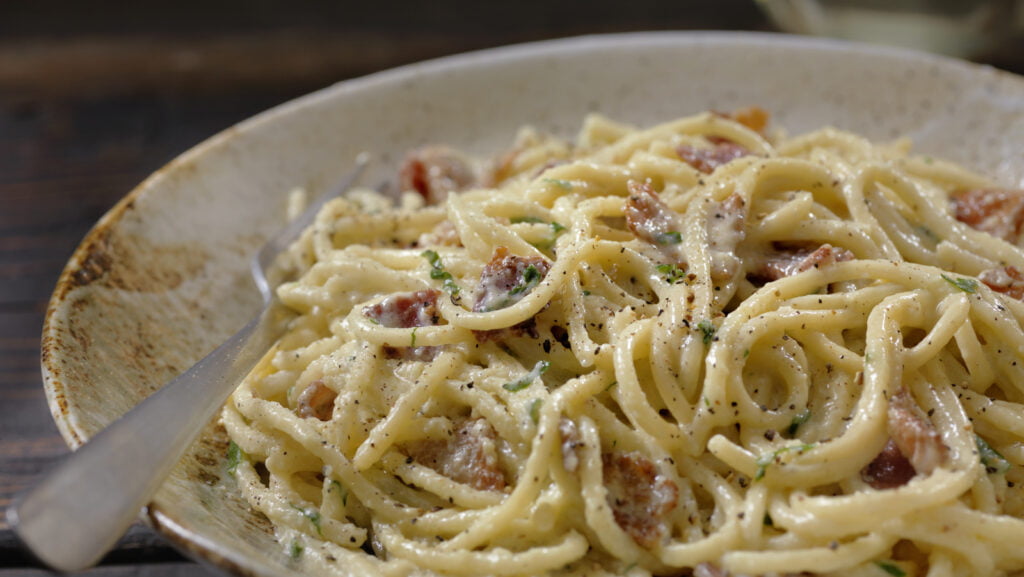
column 162, row 278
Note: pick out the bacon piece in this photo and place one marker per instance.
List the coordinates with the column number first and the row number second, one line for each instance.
column 470, row 456
column 999, row 212
column 316, row 400
column 914, row 446
column 790, row 260
column 914, row 435
column 649, row 218
column 501, row 168
column 707, row 160
column 507, row 279
column 570, row 442
column 753, row 117
column 434, row 171
column 889, row 469
column 640, row 498
column 1008, row 280
column 405, row 311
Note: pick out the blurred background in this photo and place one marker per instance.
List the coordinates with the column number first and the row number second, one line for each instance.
column 95, row 96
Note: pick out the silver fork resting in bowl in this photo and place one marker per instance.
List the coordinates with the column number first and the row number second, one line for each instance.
column 81, row 507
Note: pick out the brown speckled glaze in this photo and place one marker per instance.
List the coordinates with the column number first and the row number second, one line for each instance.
column 162, row 278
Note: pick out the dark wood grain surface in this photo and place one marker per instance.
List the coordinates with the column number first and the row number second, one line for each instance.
column 95, row 96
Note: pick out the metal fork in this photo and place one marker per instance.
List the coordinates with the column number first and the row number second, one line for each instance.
column 81, row 507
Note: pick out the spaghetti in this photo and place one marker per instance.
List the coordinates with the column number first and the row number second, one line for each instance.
column 684, row 349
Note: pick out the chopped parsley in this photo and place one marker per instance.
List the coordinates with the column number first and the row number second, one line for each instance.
column 799, row 419
column 672, row 273
column 707, row 328
column 993, row 461
column 531, row 278
column 768, row 458
column 891, row 568
column 313, row 515
column 235, row 456
column 968, row 285
column 563, row 184
column 927, row 233
column 527, row 379
column 336, row 487
column 673, row 237
column 437, row 272
column 556, row 229
column 535, row 410
column 295, row 549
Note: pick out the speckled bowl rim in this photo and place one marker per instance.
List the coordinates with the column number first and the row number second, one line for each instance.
column 210, row 552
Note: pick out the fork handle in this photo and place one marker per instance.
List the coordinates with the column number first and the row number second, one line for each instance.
column 82, row 506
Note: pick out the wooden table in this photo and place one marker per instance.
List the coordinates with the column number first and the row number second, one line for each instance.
column 95, row 96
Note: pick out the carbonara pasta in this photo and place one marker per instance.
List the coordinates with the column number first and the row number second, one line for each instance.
column 686, row 349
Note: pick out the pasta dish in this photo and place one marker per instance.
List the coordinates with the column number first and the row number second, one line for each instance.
column 699, row 348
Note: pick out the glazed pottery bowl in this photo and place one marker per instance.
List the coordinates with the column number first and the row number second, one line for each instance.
column 163, row 278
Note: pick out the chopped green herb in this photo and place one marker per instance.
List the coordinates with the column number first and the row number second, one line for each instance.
column 531, row 278
column 535, row 410
column 437, row 272
column 768, row 458
column 337, row 488
column 707, row 401
column 527, row 379
column 968, row 285
column 673, row 274
column 610, row 385
column 673, row 237
column 629, row 567
column 746, row 353
column 563, row 184
column 993, row 461
column 799, row 419
column 586, row 293
column 413, row 339
column 708, row 329
column 526, row 219
column 235, row 456
column 891, row 568
column 556, row 229
column 313, row 515
column 295, row 549
column 927, row 233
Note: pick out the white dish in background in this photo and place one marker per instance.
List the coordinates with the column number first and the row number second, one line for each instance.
column 163, row 278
